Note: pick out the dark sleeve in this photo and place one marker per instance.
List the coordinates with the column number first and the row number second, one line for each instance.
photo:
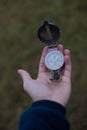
column 44, row 115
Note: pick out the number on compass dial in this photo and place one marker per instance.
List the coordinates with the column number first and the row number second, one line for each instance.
column 54, row 60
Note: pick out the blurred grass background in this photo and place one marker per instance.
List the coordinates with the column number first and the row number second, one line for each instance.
column 20, row 48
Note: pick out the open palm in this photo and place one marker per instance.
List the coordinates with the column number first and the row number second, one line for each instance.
column 43, row 88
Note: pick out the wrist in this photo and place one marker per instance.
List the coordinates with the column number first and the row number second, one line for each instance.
column 61, row 101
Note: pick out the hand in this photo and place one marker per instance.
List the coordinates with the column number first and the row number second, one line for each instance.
column 43, row 88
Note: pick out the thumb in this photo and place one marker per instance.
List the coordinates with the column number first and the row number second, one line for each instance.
column 25, row 77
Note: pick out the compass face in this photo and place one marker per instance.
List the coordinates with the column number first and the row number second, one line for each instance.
column 54, row 60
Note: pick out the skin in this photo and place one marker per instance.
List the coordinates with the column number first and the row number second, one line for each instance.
column 42, row 88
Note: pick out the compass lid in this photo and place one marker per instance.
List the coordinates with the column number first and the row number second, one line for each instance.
column 48, row 33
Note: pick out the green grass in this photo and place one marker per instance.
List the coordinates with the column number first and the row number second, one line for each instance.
column 20, row 48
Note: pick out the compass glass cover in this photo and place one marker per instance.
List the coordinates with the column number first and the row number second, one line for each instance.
column 54, row 60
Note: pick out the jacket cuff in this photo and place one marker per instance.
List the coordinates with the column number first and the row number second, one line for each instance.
column 50, row 105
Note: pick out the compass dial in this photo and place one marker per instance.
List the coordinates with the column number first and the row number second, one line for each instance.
column 54, row 60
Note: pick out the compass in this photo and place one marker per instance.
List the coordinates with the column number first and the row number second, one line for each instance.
column 54, row 60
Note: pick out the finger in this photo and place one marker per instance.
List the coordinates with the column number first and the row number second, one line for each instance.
column 67, row 71
column 25, row 77
column 60, row 47
column 42, row 67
